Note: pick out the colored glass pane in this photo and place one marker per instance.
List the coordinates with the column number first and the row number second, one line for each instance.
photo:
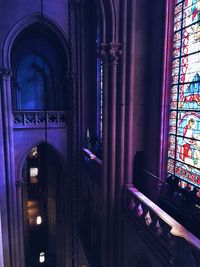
column 184, row 118
column 178, row 1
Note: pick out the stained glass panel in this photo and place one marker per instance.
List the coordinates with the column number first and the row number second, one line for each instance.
column 184, row 119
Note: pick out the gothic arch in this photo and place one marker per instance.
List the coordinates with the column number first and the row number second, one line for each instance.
column 108, row 19
column 23, row 24
column 27, row 151
column 50, row 208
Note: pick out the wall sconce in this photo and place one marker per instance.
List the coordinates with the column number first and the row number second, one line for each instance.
column 38, row 220
column 42, row 257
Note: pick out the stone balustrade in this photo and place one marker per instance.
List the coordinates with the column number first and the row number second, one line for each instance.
column 39, row 119
column 177, row 245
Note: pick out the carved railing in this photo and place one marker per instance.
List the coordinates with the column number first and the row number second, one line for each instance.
column 175, row 244
column 39, row 119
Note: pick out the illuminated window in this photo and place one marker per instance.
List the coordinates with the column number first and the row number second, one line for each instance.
column 33, row 175
column 99, row 97
column 31, row 82
column 99, row 91
column 33, row 172
column 184, row 121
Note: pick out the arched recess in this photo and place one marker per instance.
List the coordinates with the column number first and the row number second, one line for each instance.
column 39, row 64
column 26, row 150
column 24, row 23
column 43, row 175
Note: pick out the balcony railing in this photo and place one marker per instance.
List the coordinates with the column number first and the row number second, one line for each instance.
column 177, row 245
column 39, row 119
column 92, row 165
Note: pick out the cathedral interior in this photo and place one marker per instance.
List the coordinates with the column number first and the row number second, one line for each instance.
column 100, row 133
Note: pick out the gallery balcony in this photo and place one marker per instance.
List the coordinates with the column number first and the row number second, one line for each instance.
column 175, row 244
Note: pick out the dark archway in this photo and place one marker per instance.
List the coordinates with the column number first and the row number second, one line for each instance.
column 43, row 208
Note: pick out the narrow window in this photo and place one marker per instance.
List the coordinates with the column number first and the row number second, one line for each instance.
column 99, row 91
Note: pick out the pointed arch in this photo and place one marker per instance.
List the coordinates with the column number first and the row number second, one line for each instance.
column 27, row 151
column 108, row 20
column 23, row 24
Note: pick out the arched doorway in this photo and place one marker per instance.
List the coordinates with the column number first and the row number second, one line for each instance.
column 43, row 208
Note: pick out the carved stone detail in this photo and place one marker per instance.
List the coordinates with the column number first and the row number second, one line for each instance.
column 110, row 52
column 39, row 119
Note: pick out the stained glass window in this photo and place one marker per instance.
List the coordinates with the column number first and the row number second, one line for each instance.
column 184, row 121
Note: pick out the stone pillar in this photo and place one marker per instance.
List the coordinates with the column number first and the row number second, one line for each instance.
column 12, row 210
column 110, row 53
column 20, row 215
column 3, row 195
column 130, row 89
column 120, row 152
column 1, row 245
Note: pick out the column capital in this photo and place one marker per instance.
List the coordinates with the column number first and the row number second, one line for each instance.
column 19, row 184
column 6, row 73
column 110, row 52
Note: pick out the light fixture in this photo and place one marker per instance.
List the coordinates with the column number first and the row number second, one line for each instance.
column 34, row 152
column 42, row 257
column 38, row 220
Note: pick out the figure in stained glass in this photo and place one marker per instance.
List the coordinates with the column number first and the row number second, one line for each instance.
column 187, row 146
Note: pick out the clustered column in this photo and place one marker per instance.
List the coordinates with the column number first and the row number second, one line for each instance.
column 7, row 121
column 110, row 54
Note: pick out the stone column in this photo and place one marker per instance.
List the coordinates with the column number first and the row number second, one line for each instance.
column 7, row 119
column 120, row 153
column 20, row 215
column 110, row 53
column 3, row 194
column 130, row 94
column 1, row 245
